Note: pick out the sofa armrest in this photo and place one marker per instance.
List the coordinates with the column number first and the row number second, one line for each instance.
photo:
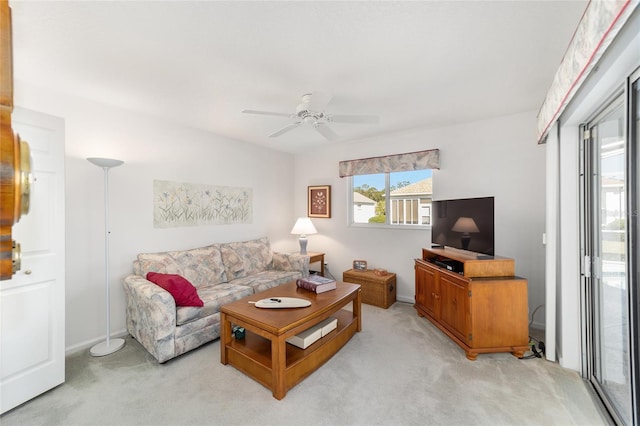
column 151, row 316
column 291, row 262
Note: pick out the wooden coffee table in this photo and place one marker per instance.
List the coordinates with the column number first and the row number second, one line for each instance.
column 264, row 354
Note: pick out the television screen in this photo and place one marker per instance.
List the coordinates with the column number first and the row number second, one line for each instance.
column 465, row 224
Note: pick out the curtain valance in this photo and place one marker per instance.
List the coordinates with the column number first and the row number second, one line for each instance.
column 391, row 163
column 600, row 23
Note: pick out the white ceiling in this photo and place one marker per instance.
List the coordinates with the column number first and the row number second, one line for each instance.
column 414, row 64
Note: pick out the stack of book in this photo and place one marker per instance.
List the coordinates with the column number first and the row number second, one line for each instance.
column 316, row 283
column 313, row 334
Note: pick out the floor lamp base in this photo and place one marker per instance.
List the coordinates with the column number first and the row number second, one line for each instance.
column 102, row 349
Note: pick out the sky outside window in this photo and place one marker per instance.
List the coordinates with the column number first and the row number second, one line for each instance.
column 377, row 180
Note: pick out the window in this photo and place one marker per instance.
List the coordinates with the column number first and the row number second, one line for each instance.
column 396, row 198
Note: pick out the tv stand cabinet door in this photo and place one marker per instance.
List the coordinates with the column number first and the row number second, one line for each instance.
column 454, row 309
column 499, row 310
column 427, row 292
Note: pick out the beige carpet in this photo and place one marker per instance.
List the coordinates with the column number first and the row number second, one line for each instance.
column 400, row 370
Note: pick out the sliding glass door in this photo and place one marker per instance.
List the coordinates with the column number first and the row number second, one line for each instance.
column 609, row 243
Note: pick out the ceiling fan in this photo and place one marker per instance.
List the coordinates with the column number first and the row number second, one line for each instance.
column 308, row 113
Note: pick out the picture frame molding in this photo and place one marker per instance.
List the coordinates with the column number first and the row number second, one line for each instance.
column 322, row 194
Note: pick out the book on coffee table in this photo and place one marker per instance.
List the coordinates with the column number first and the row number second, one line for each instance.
column 308, row 337
column 316, row 283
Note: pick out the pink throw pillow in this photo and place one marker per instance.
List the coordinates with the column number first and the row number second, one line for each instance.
column 183, row 292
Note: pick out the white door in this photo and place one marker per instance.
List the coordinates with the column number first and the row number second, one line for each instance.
column 32, row 341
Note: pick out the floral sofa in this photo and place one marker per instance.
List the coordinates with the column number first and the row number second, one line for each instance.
column 221, row 273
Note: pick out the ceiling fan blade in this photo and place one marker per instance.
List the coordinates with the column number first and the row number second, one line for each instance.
column 285, row 129
column 325, row 131
column 277, row 114
column 365, row 119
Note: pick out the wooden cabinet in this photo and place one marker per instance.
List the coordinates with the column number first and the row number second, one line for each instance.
column 475, row 299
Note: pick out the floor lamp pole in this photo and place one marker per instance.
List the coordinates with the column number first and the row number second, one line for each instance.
column 109, row 345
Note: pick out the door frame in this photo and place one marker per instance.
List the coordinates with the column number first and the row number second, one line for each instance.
column 622, row 96
column 633, row 233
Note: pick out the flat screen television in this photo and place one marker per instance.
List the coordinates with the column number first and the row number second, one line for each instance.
column 466, row 224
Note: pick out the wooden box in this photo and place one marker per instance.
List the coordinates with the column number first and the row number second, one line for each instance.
column 377, row 290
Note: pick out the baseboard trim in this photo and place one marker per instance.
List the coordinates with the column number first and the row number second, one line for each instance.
column 87, row 344
column 405, row 299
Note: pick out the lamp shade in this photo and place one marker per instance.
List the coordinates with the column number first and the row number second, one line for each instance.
column 105, row 162
column 304, row 226
column 465, row 224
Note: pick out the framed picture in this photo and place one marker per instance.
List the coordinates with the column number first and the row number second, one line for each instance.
column 319, row 201
column 360, row 265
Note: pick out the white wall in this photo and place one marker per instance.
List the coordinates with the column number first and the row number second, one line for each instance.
column 497, row 157
column 152, row 149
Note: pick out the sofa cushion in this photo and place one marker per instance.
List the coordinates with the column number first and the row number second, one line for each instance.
column 246, row 258
column 264, row 280
column 213, row 296
column 183, row 292
column 201, row 266
column 157, row 262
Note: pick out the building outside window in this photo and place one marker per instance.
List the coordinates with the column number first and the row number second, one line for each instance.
column 411, row 204
column 363, row 208
column 396, row 199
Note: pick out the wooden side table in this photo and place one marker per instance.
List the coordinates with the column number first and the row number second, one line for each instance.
column 377, row 290
column 317, row 257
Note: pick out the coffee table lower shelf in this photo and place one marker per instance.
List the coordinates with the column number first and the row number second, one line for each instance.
column 253, row 354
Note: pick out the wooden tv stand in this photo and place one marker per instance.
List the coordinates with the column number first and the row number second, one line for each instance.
column 474, row 299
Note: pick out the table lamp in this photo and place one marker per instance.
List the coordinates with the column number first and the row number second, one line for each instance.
column 303, row 227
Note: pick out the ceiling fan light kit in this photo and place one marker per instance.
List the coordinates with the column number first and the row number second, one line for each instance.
column 305, row 114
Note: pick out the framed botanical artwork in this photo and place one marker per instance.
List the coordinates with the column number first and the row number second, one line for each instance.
column 319, row 201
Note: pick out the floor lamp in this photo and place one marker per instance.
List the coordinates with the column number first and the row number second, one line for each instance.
column 110, row 345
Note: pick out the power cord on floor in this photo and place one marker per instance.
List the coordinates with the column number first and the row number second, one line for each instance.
column 536, row 352
column 539, row 351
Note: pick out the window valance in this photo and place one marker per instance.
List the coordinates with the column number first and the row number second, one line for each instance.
column 419, row 160
column 601, row 22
